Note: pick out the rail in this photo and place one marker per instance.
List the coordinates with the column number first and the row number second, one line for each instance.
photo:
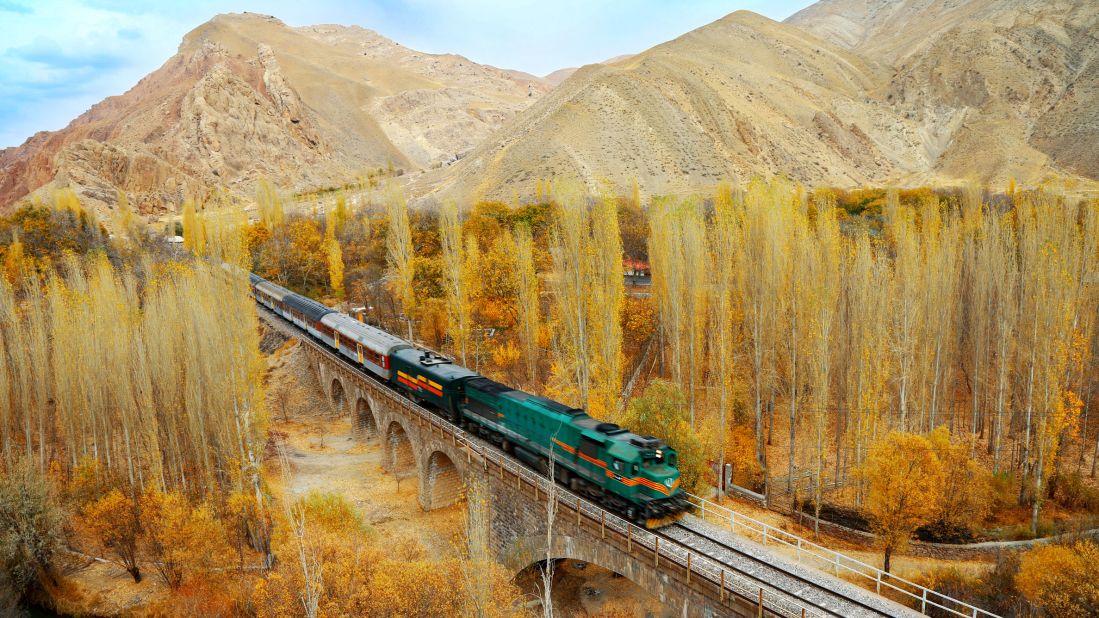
column 728, row 581
column 838, row 563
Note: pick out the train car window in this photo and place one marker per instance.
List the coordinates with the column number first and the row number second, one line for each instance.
column 634, row 470
column 617, row 465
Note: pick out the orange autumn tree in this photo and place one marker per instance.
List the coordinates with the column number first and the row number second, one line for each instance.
column 335, row 566
column 114, row 523
column 1061, row 580
column 179, row 538
column 904, row 479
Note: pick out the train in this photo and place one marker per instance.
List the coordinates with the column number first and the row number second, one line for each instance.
column 628, row 473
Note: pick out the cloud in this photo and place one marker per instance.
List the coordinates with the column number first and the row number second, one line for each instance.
column 12, row 6
column 48, row 52
column 59, row 57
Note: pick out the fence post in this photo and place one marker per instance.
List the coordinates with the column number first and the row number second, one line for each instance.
column 761, row 603
column 656, row 554
column 879, row 582
column 923, row 602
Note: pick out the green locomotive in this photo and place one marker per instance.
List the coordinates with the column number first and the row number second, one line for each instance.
column 635, row 475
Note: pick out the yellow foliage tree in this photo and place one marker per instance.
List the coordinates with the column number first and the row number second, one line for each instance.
column 458, row 300
column 1061, row 580
column 336, row 569
column 399, row 251
column 14, row 260
column 269, row 204
column 180, row 539
column 334, row 257
column 661, row 410
column 904, row 478
column 114, row 523
column 967, row 486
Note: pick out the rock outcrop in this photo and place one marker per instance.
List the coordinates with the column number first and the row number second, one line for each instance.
column 247, row 97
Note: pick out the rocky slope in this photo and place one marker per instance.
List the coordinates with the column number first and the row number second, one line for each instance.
column 845, row 92
column 741, row 96
column 1006, row 87
column 247, row 96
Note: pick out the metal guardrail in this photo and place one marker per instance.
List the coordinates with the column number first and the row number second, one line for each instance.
column 729, row 581
column 835, row 561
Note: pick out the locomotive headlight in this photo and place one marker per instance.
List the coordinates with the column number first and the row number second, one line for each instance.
column 659, row 453
column 668, row 482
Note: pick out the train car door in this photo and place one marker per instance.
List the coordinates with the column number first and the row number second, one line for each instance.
column 336, row 338
column 359, row 350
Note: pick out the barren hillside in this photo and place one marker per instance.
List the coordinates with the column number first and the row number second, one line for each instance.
column 908, row 92
column 845, row 92
column 1008, row 87
column 744, row 95
column 248, row 96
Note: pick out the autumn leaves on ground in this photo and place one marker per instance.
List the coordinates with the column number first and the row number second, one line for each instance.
column 918, row 363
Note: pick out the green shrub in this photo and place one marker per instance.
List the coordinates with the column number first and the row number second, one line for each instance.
column 30, row 531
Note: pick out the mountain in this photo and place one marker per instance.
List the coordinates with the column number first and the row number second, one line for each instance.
column 247, row 96
column 556, row 77
column 741, row 96
column 1009, row 87
column 843, row 93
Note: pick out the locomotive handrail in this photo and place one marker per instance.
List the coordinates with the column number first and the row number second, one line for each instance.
column 728, row 579
column 835, row 560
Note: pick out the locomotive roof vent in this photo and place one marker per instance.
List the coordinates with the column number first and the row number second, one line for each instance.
column 429, row 358
column 646, row 441
column 609, row 429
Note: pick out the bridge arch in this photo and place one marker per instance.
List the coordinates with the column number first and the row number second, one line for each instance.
column 529, row 552
column 365, row 422
column 400, row 457
column 442, row 483
column 338, row 395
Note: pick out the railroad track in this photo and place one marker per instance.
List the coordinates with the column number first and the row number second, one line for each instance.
column 814, row 599
column 808, row 589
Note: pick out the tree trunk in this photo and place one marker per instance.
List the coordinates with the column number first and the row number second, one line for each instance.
column 888, row 557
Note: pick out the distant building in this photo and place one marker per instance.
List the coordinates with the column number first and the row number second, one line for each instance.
column 635, row 268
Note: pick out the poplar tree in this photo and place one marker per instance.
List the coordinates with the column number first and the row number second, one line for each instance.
column 527, row 301
column 457, row 294
column 399, row 251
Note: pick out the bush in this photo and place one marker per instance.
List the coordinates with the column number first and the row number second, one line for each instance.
column 30, row 532
column 1073, row 493
column 947, row 532
column 992, row 590
column 842, row 515
column 1060, row 579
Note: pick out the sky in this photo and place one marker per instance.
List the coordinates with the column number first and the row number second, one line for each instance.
column 59, row 57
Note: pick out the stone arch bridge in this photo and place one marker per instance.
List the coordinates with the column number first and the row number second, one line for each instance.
column 530, row 518
column 421, row 444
